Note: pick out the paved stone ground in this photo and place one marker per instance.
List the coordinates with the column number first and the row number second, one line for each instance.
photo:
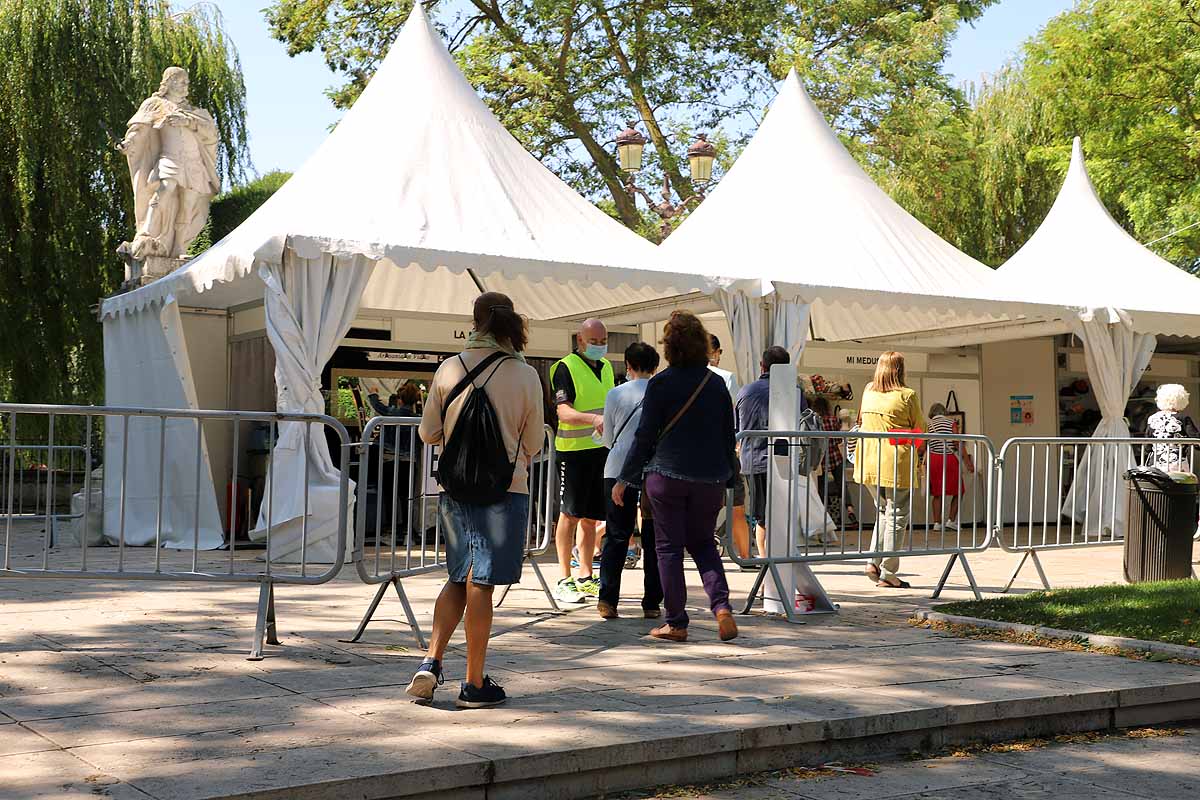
column 1118, row 767
column 142, row 690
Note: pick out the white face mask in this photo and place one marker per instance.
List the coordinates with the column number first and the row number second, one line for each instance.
column 595, row 352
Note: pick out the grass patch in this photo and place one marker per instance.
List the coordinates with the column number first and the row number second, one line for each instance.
column 1164, row 611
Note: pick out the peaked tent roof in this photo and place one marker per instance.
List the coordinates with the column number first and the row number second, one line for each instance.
column 1080, row 256
column 419, row 172
column 797, row 210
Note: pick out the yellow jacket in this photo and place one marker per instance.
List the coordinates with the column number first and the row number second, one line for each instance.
column 876, row 461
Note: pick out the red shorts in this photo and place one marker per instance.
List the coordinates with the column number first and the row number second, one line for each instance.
column 944, row 480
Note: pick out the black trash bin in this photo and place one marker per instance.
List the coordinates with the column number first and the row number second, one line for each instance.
column 1162, row 520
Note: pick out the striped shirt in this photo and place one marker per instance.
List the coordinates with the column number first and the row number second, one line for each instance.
column 942, row 425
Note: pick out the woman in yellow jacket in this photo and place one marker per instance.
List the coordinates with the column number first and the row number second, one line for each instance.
column 889, row 470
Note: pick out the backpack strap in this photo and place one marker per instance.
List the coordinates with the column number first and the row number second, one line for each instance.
column 472, row 375
column 667, row 428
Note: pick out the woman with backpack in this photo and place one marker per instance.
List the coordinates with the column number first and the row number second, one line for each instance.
column 484, row 411
column 684, row 453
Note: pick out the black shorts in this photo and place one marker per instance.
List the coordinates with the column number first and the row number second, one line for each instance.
column 581, row 482
column 756, row 497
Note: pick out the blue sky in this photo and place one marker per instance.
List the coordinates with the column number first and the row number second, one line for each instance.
column 289, row 114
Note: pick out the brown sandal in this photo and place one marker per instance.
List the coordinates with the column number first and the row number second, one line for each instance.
column 669, row 634
column 726, row 625
column 873, row 573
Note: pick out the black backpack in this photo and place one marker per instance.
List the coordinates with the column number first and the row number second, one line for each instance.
column 474, row 466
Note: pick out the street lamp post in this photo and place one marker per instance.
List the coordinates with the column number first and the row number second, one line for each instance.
column 630, row 145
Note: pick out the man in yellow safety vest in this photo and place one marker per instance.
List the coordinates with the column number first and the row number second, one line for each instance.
column 580, row 383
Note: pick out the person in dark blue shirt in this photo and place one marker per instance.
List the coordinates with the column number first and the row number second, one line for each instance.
column 752, row 413
column 684, row 452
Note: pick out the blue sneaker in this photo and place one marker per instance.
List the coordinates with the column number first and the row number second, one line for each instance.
column 486, row 696
column 427, row 678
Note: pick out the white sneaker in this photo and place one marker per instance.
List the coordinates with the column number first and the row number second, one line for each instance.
column 952, row 526
column 567, row 592
column 937, row 526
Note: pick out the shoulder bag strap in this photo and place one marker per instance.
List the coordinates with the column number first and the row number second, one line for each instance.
column 471, row 376
column 628, row 419
column 667, row 428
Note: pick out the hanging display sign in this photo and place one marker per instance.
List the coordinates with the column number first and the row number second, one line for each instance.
column 815, row 357
column 398, row 357
column 1020, row 409
column 450, row 336
column 1161, row 366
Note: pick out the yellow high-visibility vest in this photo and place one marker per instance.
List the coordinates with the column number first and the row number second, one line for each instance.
column 590, row 392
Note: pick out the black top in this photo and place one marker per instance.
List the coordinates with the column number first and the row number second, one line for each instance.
column 700, row 447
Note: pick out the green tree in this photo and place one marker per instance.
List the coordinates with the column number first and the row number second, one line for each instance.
column 1124, row 75
column 562, row 75
column 73, row 72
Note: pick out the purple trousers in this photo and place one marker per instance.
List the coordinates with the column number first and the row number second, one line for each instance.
column 685, row 517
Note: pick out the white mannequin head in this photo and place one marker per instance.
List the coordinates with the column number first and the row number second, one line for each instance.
column 1172, row 397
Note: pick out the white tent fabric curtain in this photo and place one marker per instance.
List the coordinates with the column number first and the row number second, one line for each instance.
column 745, row 317
column 146, row 365
column 789, row 325
column 1116, row 358
column 310, row 301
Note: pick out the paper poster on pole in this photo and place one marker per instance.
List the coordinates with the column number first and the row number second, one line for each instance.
column 429, row 463
column 1021, row 409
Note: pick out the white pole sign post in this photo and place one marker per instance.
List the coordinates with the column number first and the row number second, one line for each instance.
column 784, row 503
column 432, row 487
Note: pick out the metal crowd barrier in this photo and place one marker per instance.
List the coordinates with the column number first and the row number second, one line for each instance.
column 1034, row 493
column 398, row 531
column 168, row 440
column 543, row 513
column 41, row 475
column 810, row 534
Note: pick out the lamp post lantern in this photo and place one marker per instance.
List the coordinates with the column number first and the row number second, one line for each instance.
column 700, row 155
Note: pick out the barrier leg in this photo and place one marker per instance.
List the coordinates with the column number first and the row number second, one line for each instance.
column 754, row 590
column 500, row 600
column 375, row 601
column 545, row 586
column 789, row 607
column 264, row 624
column 362, row 626
column 1036, row 562
column 408, row 612
column 962, row 559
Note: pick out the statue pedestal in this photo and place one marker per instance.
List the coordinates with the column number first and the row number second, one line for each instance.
column 140, row 273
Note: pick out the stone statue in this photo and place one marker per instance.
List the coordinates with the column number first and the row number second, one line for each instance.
column 171, row 147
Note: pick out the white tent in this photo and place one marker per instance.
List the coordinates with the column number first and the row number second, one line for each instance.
column 1125, row 294
column 797, row 214
column 417, row 199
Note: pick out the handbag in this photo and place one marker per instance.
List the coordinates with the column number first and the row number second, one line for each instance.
column 904, row 441
column 955, row 413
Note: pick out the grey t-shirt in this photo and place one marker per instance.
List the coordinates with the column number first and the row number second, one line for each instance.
column 622, row 412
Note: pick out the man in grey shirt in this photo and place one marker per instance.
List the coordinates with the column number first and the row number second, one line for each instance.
column 622, row 413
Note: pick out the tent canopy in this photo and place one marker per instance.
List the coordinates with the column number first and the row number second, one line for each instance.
column 799, row 215
column 1080, row 256
column 419, row 173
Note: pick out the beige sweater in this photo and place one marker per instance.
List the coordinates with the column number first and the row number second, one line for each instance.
column 516, row 394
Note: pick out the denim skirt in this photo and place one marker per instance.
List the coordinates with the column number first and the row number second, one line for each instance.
column 486, row 542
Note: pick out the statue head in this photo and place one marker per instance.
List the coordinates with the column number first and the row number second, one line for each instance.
column 174, row 83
